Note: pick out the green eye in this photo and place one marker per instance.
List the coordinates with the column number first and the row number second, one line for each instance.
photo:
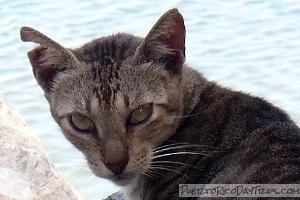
column 141, row 114
column 81, row 123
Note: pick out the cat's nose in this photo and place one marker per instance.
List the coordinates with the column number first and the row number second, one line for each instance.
column 117, row 168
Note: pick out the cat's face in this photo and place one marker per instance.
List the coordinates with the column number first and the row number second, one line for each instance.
column 141, row 114
column 115, row 112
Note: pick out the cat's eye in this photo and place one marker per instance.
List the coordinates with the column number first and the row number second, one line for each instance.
column 140, row 114
column 81, row 123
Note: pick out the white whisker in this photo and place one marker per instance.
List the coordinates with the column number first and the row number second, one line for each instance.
column 152, row 174
column 148, row 175
column 165, row 168
column 171, row 162
column 167, row 145
column 84, row 178
column 177, row 147
column 179, row 153
column 67, row 166
column 176, row 143
column 186, row 116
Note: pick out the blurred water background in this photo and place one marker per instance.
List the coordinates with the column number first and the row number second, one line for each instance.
column 249, row 45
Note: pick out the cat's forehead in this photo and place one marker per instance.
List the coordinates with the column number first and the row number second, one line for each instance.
column 101, row 61
column 107, row 73
column 87, row 82
column 97, row 87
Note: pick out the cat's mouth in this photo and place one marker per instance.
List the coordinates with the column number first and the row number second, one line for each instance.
column 122, row 179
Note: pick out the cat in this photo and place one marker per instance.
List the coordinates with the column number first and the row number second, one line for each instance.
column 146, row 121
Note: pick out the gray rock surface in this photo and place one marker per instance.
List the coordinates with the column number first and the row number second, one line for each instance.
column 115, row 196
column 25, row 170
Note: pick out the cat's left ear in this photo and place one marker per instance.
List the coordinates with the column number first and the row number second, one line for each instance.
column 165, row 43
column 48, row 59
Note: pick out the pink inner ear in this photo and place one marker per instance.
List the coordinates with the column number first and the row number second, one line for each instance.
column 43, row 74
column 177, row 37
column 35, row 59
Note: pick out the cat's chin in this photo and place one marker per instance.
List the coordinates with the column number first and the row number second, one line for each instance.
column 122, row 179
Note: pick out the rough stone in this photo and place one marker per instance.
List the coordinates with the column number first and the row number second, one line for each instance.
column 115, row 196
column 25, row 170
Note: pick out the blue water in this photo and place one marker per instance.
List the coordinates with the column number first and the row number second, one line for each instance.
column 249, row 45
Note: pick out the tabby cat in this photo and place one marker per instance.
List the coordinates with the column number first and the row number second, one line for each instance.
column 147, row 122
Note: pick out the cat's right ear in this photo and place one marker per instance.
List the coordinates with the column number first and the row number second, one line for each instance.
column 48, row 59
column 165, row 43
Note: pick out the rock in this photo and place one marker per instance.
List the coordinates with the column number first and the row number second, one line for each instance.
column 25, row 170
column 115, row 196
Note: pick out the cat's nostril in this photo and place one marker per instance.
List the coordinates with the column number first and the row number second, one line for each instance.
column 117, row 168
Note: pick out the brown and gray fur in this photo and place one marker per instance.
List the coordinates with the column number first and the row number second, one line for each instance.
column 199, row 132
